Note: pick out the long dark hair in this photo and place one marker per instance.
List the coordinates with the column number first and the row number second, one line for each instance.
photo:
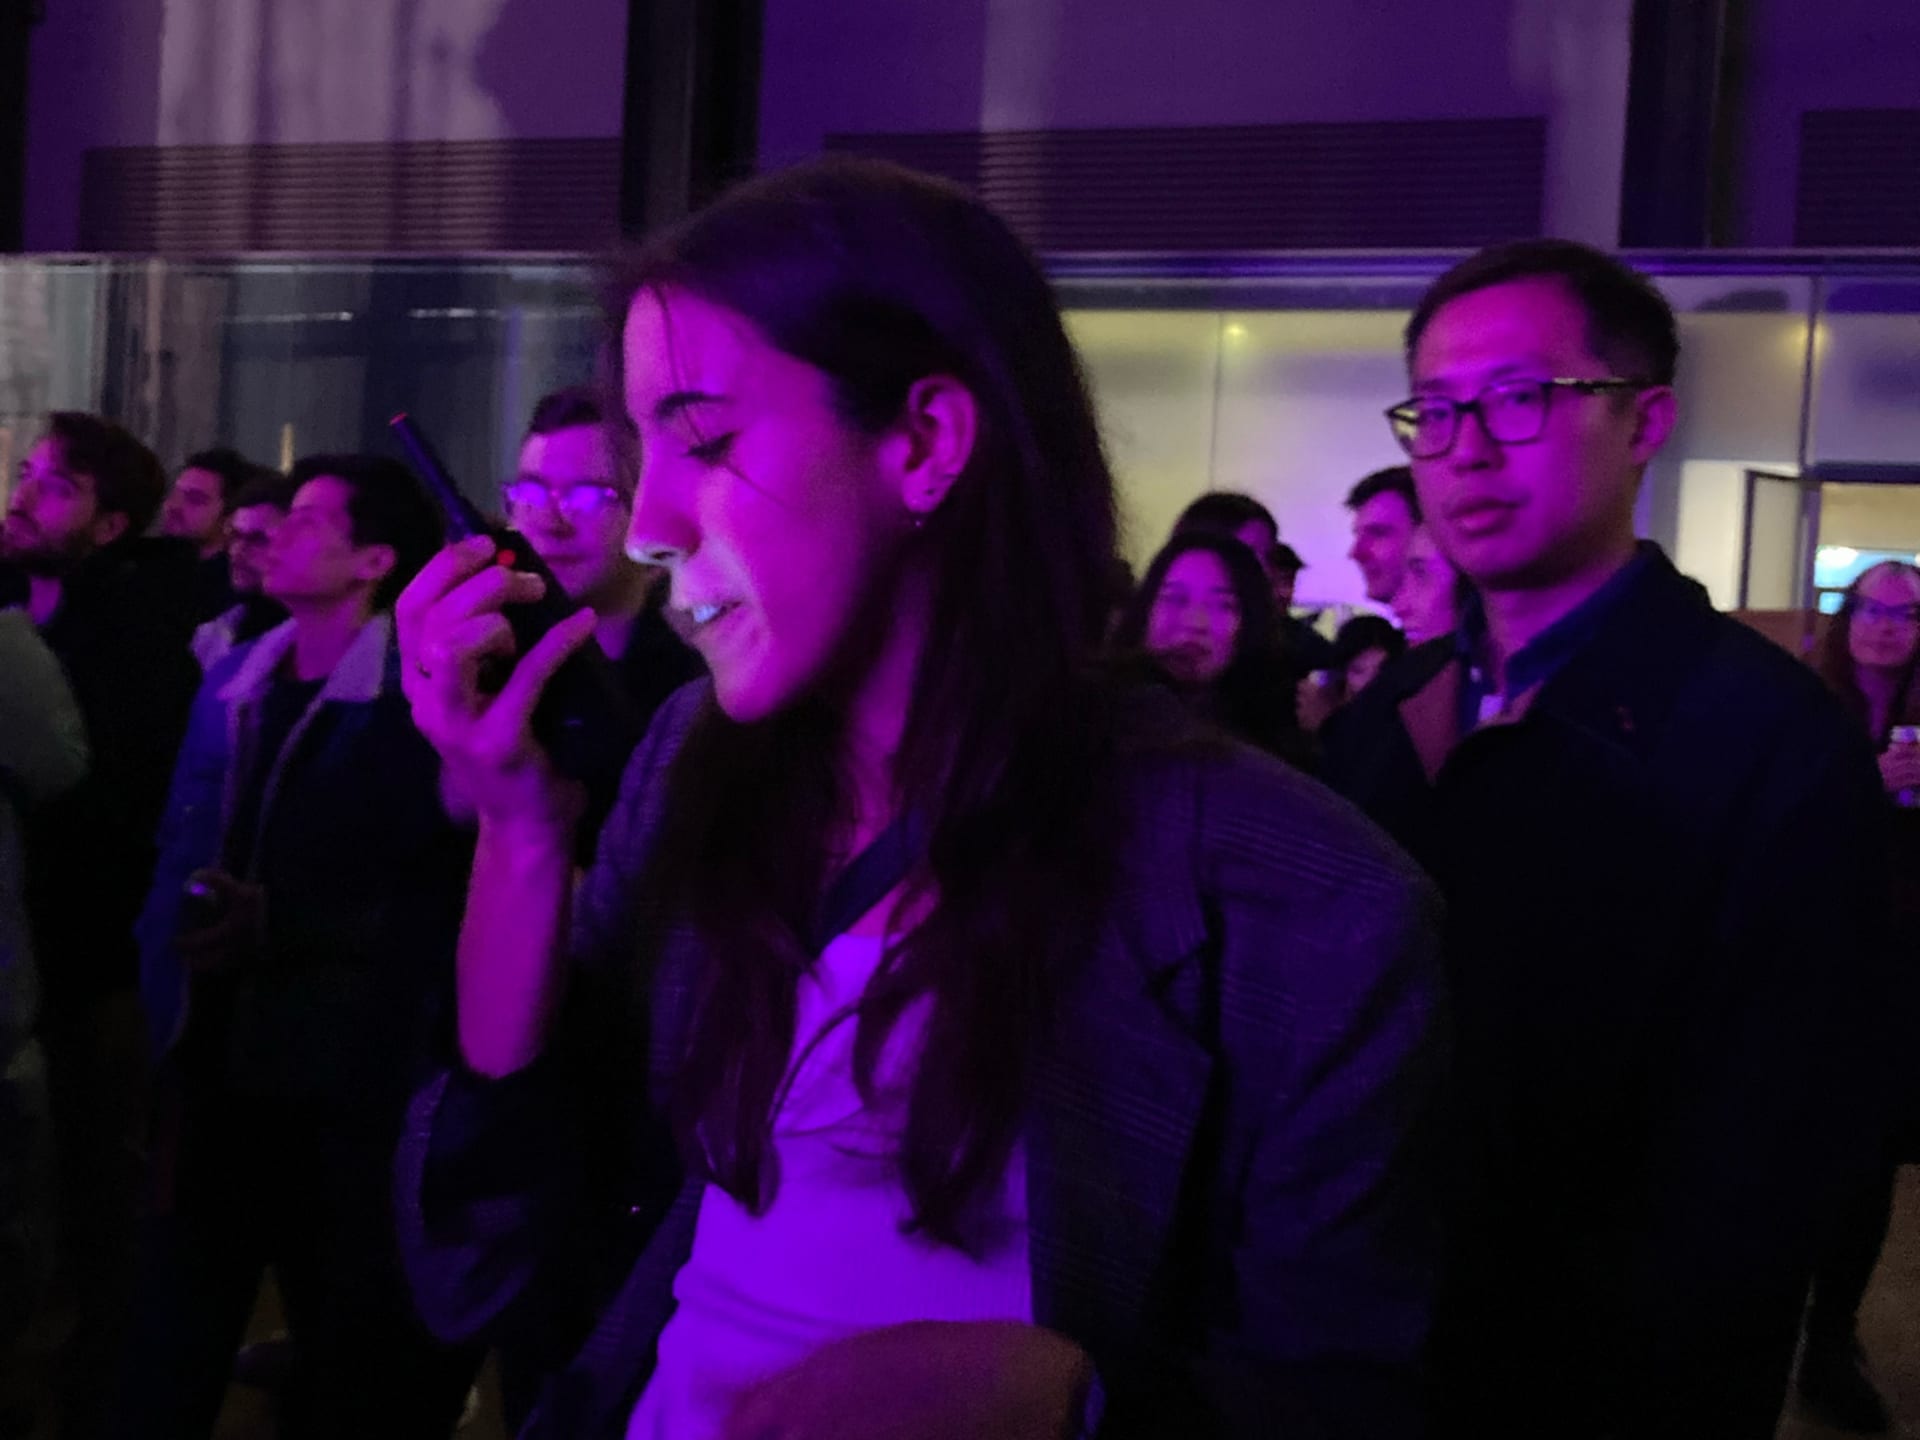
column 878, row 278
column 1836, row 664
column 1250, row 697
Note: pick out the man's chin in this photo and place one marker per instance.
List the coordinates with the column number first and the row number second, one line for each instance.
column 579, row 584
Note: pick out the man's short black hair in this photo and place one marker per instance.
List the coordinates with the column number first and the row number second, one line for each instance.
column 235, row 471
column 565, row 409
column 1223, row 512
column 1286, row 560
column 386, row 505
column 1394, row 480
column 1630, row 325
column 268, row 487
column 128, row 478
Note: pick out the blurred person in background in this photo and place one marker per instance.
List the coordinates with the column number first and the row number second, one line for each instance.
column 1427, row 604
column 43, row 751
column 1203, row 618
column 1305, row 648
column 257, row 512
column 1365, row 646
column 572, row 498
column 296, row 955
column 1869, row 658
column 197, row 509
column 1386, row 512
column 1237, row 516
column 1299, row 646
column 117, row 610
column 1360, row 651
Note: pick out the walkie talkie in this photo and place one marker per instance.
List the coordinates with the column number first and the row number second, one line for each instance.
column 584, row 720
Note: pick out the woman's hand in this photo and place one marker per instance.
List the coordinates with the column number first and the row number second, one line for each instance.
column 932, row 1380
column 450, row 629
column 1900, row 768
column 237, row 933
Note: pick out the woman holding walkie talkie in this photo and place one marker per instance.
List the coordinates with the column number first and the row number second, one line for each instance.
column 947, row 1040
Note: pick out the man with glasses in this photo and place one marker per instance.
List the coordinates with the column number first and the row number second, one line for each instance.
column 1657, row 837
column 258, row 510
column 572, row 499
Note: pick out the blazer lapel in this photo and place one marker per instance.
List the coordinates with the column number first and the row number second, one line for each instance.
column 1119, row 1097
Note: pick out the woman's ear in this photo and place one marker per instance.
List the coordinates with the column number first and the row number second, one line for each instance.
column 931, row 443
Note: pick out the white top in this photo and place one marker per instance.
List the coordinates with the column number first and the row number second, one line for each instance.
column 828, row 1259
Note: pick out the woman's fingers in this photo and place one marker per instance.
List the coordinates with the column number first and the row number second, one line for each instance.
column 512, row 709
column 456, row 654
column 488, row 590
column 437, row 577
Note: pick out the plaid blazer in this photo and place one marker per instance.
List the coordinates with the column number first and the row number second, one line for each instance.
column 1229, row 1154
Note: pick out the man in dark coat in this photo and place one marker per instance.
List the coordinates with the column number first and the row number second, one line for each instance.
column 117, row 610
column 1656, row 836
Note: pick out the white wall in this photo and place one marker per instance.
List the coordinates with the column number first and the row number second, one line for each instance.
column 1284, row 406
column 853, row 66
column 237, row 72
column 1870, row 517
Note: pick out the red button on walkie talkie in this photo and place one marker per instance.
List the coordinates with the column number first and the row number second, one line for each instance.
column 505, row 557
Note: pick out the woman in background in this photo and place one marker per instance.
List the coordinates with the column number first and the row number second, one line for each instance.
column 1203, row 617
column 1869, row 659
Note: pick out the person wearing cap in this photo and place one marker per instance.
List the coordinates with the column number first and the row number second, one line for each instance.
column 1304, row 647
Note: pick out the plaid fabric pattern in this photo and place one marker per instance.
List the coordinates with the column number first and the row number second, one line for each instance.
column 1231, row 1205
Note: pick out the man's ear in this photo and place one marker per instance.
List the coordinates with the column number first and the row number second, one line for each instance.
column 930, row 444
column 375, row 563
column 108, row 526
column 1658, row 411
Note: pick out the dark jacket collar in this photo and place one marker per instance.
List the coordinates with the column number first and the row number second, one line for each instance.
column 1625, row 676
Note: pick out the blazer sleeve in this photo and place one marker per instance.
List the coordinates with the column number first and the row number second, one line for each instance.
column 505, row 1187
column 1326, row 1210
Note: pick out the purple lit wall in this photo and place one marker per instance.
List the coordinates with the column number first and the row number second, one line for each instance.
column 864, row 66
column 291, row 72
column 1813, row 55
column 95, row 80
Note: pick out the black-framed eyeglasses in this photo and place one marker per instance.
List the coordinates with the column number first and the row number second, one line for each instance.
column 573, row 502
column 1513, row 412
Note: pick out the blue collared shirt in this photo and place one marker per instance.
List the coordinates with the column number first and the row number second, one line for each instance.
column 1542, row 657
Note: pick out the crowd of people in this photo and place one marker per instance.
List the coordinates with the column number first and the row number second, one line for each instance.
column 992, row 1004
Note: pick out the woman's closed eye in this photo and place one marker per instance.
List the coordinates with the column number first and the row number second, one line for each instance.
column 712, row 452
